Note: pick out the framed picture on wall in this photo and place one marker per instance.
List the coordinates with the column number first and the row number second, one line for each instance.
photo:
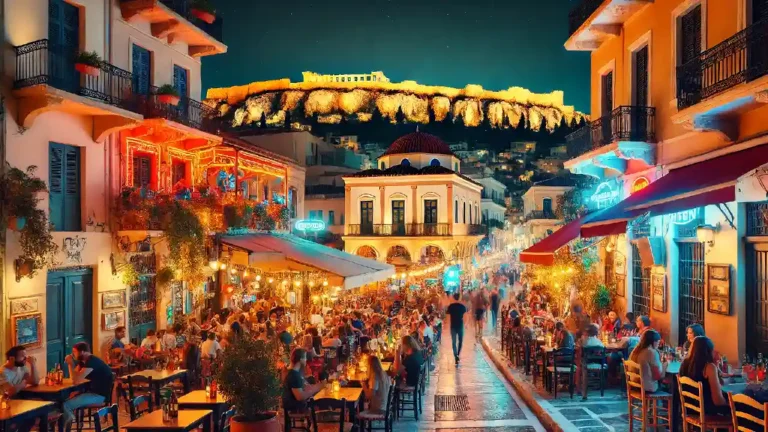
column 658, row 292
column 112, row 319
column 113, row 299
column 619, row 265
column 27, row 330
column 719, row 288
column 621, row 284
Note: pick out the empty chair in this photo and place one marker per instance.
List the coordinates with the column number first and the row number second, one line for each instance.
column 106, row 415
column 226, row 419
column 140, row 405
column 747, row 414
column 329, row 415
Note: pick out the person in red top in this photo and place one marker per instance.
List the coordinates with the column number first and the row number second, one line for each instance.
column 612, row 323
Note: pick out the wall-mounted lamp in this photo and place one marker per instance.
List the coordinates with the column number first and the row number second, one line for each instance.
column 706, row 233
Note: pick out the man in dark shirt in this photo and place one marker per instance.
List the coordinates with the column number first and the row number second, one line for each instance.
column 84, row 365
column 495, row 301
column 296, row 391
column 456, row 310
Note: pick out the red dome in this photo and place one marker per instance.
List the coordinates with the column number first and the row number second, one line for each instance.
column 418, row 142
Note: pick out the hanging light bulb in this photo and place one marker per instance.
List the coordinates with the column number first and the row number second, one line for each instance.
column 214, row 265
column 223, row 266
column 233, row 270
column 285, row 282
column 271, row 280
column 297, row 283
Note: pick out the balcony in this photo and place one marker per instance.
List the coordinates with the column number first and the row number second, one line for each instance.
column 627, row 133
column 402, row 230
column 540, row 214
column 46, row 80
column 725, row 79
column 592, row 22
column 174, row 20
column 495, row 199
column 187, row 112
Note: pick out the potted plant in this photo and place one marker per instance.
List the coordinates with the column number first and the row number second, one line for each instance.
column 168, row 94
column 250, row 379
column 88, row 62
column 204, row 11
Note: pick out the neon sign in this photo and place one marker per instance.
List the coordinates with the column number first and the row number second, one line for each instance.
column 607, row 194
column 639, row 184
column 685, row 217
column 309, row 225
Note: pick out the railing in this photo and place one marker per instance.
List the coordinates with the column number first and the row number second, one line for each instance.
column 741, row 58
column 474, row 229
column 386, row 230
column 41, row 63
column 540, row 214
column 188, row 112
column 757, row 218
column 184, row 8
column 580, row 13
column 496, row 199
column 625, row 123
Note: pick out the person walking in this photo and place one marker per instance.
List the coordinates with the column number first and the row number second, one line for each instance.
column 456, row 310
column 479, row 304
column 495, row 301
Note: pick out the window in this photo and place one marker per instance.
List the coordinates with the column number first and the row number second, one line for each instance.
column 64, row 186
column 383, row 166
column 178, row 172
column 142, row 171
column 434, row 163
column 689, row 35
column 547, row 205
column 342, row 219
column 430, row 211
column 319, row 215
column 464, row 211
column 293, row 201
column 640, row 77
column 606, row 94
column 456, row 211
column 331, row 217
column 405, row 162
column 456, row 166
column 181, row 80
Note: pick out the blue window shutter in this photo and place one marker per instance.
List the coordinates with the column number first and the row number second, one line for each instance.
column 56, row 185
column 142, row 67
column 72, row 189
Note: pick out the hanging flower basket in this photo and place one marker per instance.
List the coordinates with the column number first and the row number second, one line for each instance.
column 17, row 223
column 203, row 15
column 168, row 99
column 88, row 62
column 87, row 69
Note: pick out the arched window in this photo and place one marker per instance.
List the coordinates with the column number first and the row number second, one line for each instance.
column 405, row 162
column 434, row 162
column 456, row 211
column 383, row 165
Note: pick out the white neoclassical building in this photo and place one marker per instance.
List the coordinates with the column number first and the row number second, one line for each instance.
column 415, row 206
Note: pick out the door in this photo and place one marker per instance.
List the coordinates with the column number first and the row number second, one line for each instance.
column 759, row 10
column 398, row 217
column 143, row 308
column 68, row 313
column 606, row 107
column 142, row 69
column 366, row 217
column 641, row 285
column 180, row 83
column 142, row 171
column 691, row 270
column 546, row 205
column 690, row 80
column 757, row 298
column 63, row 45
column 430, row 217
column 639, row 119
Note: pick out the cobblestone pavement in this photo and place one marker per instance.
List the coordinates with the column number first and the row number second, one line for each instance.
column 493, row 405
column 606, row 413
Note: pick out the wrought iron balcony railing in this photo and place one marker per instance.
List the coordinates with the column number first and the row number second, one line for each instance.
column 580, row 13
column 40, row 62
column 188, row 112
column 741, row 58
column 625, row 123
column 184, row 8
column 386, row 230
column 540, row 214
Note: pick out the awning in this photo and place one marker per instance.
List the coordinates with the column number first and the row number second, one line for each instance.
column 543, row 252
column 712, row 181
column 281, row 252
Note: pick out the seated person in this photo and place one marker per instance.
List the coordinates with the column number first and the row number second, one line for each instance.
column 408, row 361
column 296, row 391
column 590, row 339
column 211, row 348
column 83, row 364
column 646, row 355
column 121, row 351
column 19, row 372
column 700, row 366
column 563, row 338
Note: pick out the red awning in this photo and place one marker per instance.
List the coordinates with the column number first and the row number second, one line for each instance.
column 543, row 252
column 712, row 181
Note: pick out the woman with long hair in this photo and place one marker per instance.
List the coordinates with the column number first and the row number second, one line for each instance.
column 692, row 332
column 376, row 387
column 646, row 354
column 700, row 366
column 408, row 360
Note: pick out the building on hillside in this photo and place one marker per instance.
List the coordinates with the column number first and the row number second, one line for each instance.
column 688, row 248
column 551, row 165
column 523, row 147
column 559, row 152
column 415, row 207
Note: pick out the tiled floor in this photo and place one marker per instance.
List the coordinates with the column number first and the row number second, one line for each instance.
column 597, row 414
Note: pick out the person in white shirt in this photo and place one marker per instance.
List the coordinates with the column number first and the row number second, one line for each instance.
column 426, row 332
column 211, row 346
column 18, row 372
column 150, row 341
column 169, row 340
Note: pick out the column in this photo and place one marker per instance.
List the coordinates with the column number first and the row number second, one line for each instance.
column 415, row 206
column 449, row 187
column 347, row 205
column 382, row 202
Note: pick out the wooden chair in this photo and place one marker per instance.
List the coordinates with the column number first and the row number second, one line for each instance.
column 332, row 416
column 423, row 380
column 692, row 401
column 369, row 417
column 226, row 419
column 140, row 405
column 139, row 385
column 747, row 414
column 84, row 416
column 108, row 413
column 594, row 367
column 402, row 402
column 295, row 420
column 562, row 366
column 647, row 401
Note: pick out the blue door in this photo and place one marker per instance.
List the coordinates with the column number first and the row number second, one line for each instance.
column 180, row 78
column 63, row 45
column 142, row 67
column 68, row 314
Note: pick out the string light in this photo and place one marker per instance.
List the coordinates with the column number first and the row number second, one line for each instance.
column 233, row 270
column 245, row 273
column 311, row 284
column 271, row 280
column 214, row 265
column 223, row 266
column 258, row 278
column 325, row 283
column 297, row 283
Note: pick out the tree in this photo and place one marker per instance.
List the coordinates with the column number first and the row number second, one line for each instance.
column 263, row 121
column 523, row 123
column 287, row 123
column 570, row 205
column 400, row 116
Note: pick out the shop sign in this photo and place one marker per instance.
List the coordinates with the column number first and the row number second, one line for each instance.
column 639, row 184
column 309, row 225
column 685, row 217
column 607, row 194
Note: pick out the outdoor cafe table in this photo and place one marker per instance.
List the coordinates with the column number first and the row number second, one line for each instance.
column 199, row 400
column 186, row 421
column 56, row 393
column 353, row 396
column 21, row 410
column 161, row 378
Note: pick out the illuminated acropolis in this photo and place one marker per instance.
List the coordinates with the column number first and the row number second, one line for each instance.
column 377, row 76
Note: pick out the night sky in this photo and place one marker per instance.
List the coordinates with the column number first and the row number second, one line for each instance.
column 494, row 43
